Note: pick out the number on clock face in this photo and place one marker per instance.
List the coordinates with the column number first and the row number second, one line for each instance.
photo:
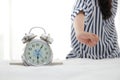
column 38, row 53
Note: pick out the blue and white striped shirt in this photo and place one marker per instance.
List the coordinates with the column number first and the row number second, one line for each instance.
column 107, row 47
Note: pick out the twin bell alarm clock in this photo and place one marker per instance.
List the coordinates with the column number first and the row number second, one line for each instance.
column 37, row 50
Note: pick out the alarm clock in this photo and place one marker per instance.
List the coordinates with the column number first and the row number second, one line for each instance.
column 37, row 50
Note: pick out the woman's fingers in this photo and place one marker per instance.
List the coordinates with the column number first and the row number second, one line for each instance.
column 88, row 42
column 94, row 39
column 91, row 43
column 89, row 39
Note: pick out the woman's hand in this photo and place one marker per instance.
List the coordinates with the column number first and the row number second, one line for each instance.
column 87, row 38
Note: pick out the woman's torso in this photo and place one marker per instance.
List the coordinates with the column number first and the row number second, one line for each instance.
column 107, row 47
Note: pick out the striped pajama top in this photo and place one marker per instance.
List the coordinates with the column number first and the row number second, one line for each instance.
column 107, row 47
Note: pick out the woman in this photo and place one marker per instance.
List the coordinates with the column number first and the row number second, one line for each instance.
column 93, row 33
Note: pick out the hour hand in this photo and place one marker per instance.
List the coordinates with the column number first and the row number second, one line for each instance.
column 39, row 54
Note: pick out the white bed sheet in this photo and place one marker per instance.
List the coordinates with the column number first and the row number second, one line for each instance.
column 72, row 69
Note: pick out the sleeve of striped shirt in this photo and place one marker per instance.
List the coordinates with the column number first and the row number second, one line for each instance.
column 80, row 5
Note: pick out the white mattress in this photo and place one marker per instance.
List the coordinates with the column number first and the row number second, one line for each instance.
column 72, row 69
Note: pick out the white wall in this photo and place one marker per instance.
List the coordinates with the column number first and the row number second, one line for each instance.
column 1, row 47
column 53, row 15
column 4, row 29
column 117, row 22
column 18, row 16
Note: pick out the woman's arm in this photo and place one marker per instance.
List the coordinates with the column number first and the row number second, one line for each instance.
column 79, row 23
column 87, row 38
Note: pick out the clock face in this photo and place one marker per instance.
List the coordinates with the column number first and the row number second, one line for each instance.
column 38, row 52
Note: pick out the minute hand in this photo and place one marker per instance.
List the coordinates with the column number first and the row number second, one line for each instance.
column 39, row 54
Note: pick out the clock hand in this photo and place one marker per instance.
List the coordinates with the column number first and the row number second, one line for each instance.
column 37, row 59
column 38, row 54
column 39, row 51
column 35, row 52
column 41, row 47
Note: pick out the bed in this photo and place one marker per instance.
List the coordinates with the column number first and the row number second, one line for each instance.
column 71, row 69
